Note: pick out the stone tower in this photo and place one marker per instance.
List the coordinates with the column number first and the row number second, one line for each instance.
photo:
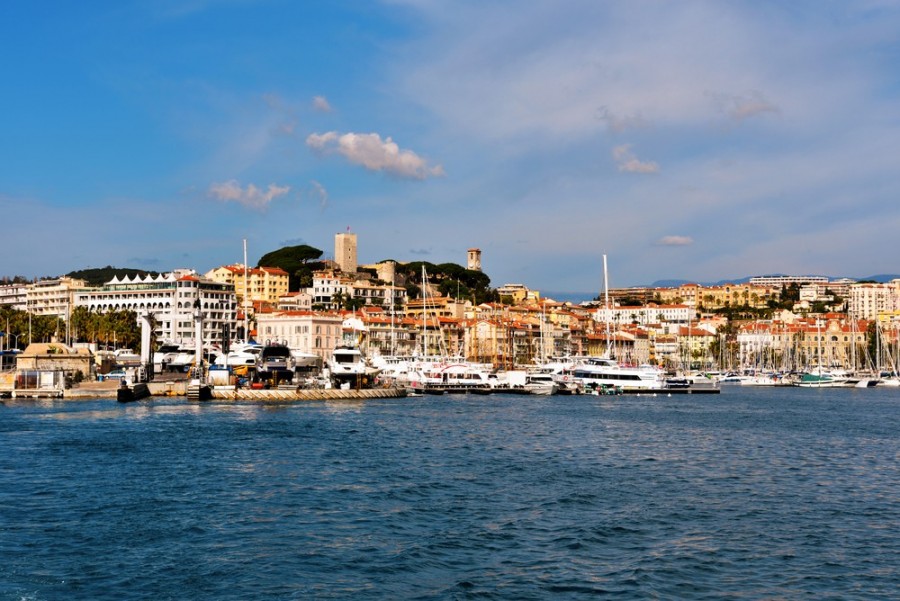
column 474, row 259
column 345, row 252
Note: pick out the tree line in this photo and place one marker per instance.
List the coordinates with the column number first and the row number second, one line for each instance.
column 117, row 328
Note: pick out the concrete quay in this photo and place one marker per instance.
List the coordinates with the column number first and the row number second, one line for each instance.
column 178, row 388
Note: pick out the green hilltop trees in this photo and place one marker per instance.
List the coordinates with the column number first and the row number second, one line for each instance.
column 298, row 261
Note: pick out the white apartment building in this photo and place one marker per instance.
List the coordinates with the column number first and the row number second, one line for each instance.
column 383, row 296
column 295, row 301
column 867, row 301
column 14, row 296
column 307, row 331
column 671, row 314
column 786, row 280
column 171, row 298
column 326, row 284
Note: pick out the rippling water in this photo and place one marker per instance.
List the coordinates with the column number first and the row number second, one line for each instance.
column 751, row 494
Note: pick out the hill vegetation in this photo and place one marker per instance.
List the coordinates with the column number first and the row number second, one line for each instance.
column 298, row 261
column 450, row 279
column 97, row 276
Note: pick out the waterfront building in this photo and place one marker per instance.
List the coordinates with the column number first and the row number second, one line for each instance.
column 830, row 340
column 315, row 332
column 171, row 299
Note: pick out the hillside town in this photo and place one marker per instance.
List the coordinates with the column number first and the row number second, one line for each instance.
column 769, row 324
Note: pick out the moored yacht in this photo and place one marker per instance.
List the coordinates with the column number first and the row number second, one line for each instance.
column 540, row 383
column 350, row 369
column 275, row 363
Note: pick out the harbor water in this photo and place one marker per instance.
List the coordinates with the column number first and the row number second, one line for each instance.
column 755, row 493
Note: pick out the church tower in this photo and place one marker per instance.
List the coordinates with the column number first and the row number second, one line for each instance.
column 474, row 259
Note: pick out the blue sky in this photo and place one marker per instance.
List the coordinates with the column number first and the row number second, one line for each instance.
column 693, row 140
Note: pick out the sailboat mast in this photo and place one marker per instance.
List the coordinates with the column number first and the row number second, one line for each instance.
column 608, row 315
column 424, row 325
column 246, row 295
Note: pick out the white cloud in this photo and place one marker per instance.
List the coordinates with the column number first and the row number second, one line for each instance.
column 375, row 154
column 743, row 107
column 318, row 191
column 618, row 123
column 320, row 103
column 675, row 241
column 251, row 196
column 626, row 161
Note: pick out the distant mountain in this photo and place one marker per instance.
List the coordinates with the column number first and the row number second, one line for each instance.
column 569, row 297
column 884, row 277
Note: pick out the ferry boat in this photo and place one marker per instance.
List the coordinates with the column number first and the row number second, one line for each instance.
column 448, row 377
column 596, row 372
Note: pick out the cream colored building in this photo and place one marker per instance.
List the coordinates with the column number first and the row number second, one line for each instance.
column 254, row 284
column 519, row 293
column 716, row 297
column 53, row 297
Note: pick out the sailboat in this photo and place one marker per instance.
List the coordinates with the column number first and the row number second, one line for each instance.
column 821, row 376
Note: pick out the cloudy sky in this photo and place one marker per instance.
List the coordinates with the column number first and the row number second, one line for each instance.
column 691, row 140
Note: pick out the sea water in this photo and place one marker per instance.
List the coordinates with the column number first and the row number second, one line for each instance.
column 749, row 494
